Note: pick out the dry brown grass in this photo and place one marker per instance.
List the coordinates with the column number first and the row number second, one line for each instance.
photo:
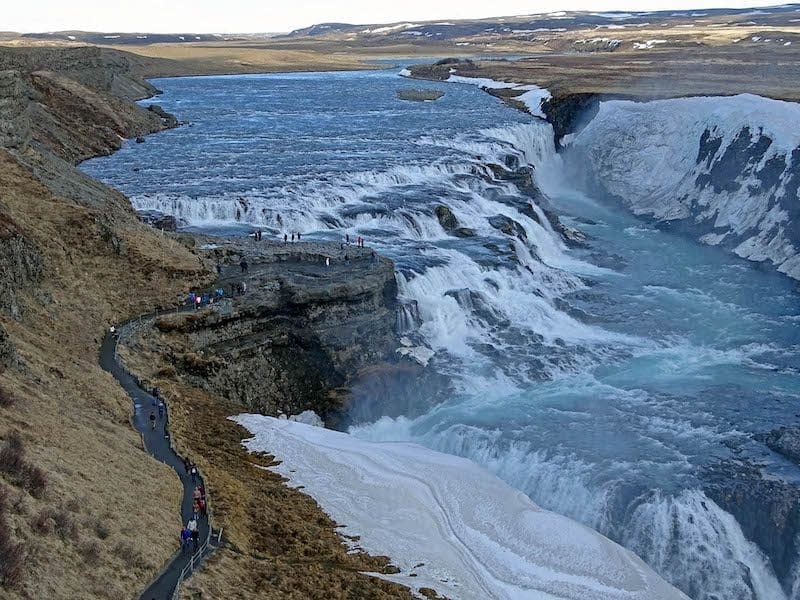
column 279, row 543
column 72, row 416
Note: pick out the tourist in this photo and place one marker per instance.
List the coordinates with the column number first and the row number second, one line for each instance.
column 197, row 300
column 187, row 464
column 285, row 238
column 195, row 537
column 186, row 537
column 161, row 407
column 244, row 287
column 152, row 420
column 243, row 265
column 347, row 238
column 327, row 261
column 196, row 494
column 219, row 270
column 293, row 238
column 298, row 236
column 191, row 298
column 193, row 473
column 201, row 504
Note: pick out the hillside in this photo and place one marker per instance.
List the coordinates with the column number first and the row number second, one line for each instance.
column 77, row 491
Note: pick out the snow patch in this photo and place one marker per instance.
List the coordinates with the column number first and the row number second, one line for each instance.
column 454, row 526
column 308, row 417
column 532, row 98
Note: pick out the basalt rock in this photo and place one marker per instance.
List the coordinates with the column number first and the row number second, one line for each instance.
column 785, row 441
column 446, row 218
column 767, row 509
column 20, row 266
column 508, row 226
column 300, row 335
column 159, row 220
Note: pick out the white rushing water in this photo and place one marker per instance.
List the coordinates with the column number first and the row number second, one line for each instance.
column 600, row 381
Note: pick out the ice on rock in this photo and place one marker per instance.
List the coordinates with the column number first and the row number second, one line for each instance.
column 475, row 536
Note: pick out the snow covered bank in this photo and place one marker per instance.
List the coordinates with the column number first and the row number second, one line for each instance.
column 532, row 98
column 729, row 168
column 461, row 530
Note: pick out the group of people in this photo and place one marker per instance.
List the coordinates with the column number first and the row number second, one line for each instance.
column 204, row 299
column 359, row 241
column 258, row 235
column 295, row 237
column 158, row 406
column 190, row 534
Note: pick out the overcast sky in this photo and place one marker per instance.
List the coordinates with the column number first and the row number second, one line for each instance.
column 248, row 16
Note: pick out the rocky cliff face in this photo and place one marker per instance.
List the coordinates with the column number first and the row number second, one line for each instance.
column 300, row 335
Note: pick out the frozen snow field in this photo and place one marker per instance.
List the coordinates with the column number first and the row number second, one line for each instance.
column 474, row 536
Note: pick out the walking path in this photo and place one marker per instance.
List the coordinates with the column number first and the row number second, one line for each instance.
column 157, row 443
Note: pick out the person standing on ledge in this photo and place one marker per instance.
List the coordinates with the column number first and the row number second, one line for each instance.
column 285, row 238
column 243, row 265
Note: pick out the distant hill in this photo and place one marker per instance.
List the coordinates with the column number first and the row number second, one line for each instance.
column 528, row 26
column 138, row 39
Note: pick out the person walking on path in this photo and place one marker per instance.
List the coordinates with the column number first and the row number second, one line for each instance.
column 161, row 407
column 327, row 261
column 243, row 265
column 298, row 236
column 285, row 238
column 293, row 238
column 193, row 473
column 186, row 537
column 194, row 534
column 152, row 420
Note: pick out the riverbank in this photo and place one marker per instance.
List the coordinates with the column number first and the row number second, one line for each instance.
column 86, row 511
column 312, row 316
column 74, row 259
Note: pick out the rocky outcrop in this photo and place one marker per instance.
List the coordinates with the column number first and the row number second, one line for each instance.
column 20, row 266
column 785, row 441
column 103, row 69
column 767, row 509
column 450, row 223
column 159, row 220
column 74, row 103
column 419, row 95
column 15, row 125
column 508, row 226
column 300, row 335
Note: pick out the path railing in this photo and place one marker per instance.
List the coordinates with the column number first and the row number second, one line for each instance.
column 195, row 561
column 125, row 331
